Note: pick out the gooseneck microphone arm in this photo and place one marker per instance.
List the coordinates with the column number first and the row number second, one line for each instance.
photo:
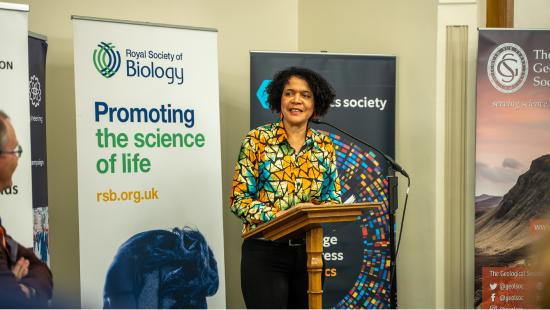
column 392, row 162
column 392, row 204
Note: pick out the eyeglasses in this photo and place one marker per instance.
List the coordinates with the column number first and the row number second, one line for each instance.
column 18, row 150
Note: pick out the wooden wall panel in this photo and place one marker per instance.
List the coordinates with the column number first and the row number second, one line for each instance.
column 500, row 13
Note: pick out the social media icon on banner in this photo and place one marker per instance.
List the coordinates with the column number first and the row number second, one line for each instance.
column 493, row 297
column 493, row 286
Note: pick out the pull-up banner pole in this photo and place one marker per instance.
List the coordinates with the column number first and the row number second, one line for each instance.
column 149, row 165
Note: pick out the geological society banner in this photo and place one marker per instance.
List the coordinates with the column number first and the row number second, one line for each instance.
column 16, row 201
column 149, row 167
column 357, row 254
column 513, row 165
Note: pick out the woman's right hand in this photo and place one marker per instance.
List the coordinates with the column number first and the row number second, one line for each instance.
column 281, row 212
column 301, row 204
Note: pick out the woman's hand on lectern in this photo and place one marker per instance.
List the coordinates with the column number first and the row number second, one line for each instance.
column 301, row 204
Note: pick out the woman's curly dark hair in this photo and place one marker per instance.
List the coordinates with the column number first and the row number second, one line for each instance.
column 323, row 93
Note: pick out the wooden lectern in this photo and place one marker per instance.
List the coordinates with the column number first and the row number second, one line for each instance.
column 304, row 222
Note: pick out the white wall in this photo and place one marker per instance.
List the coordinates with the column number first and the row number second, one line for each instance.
column 533, row 14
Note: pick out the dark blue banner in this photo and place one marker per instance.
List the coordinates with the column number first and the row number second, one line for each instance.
column 37, row 100
column 357, row 254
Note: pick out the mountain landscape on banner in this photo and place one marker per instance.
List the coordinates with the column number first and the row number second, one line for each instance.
column 485, row 203
column 502, row 232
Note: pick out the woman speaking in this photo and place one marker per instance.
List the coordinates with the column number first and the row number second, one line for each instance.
column 282, row 165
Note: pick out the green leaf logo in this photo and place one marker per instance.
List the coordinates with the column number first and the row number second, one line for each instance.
column 106, row 59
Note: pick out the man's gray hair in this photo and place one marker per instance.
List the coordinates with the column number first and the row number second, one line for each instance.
column 3, row 130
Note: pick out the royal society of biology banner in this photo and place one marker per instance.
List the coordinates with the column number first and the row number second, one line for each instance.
column 149, row 166
column 357, row 254
column 512, row 166
column 16, row 201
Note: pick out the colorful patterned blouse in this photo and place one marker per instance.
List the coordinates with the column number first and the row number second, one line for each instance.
column 270, row 176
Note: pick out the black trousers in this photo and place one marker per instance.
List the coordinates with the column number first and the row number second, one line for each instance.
column 274, row 275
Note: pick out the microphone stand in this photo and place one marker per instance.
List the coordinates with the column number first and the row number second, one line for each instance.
column 392, row 197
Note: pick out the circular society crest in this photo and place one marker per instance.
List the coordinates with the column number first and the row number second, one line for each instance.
column 507, row 68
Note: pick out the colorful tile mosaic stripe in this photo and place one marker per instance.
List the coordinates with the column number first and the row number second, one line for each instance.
column 361, row 176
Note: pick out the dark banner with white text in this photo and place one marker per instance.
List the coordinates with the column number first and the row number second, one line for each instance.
column 38, row 49
column 357, row 254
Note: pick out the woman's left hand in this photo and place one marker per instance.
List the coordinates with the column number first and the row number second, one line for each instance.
column 301, row 204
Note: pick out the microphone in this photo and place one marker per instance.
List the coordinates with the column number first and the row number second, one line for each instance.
column 392, row 162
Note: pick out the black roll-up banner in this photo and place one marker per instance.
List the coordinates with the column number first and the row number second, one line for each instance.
column 37, row 100
column 357, row 254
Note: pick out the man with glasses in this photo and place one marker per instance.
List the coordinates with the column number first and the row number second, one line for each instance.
column 25, row 281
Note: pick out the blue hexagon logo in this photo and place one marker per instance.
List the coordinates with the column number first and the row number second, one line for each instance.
column 262, row 95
